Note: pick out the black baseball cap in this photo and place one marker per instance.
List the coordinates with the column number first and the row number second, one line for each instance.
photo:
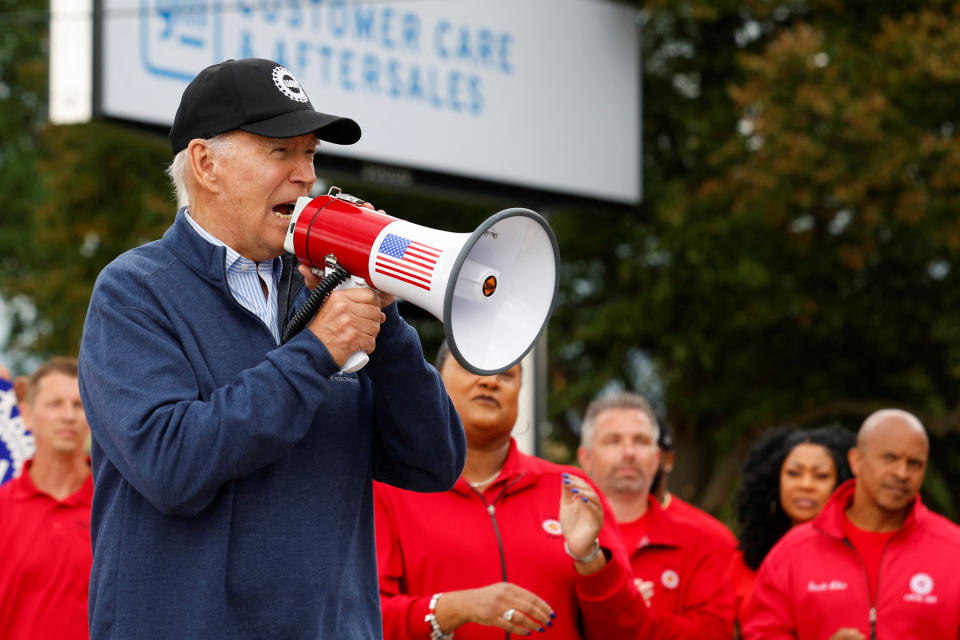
column 255, row 95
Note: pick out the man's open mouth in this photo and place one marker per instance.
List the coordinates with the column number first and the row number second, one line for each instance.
column 284, row 210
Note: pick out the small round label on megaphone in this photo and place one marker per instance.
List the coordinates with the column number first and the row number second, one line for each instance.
column 489, row 286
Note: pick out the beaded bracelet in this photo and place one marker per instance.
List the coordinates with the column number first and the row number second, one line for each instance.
column 436, row 633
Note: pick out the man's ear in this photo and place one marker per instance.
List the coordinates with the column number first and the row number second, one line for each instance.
column 855, row 458
column 204, row 165
column 26, row 411
column 20, row 388
column 583, row 457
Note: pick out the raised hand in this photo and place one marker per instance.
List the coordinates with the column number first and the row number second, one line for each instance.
column 581, row 519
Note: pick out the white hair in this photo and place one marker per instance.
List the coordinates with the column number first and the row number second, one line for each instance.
column 613, row 401
column 179, row 169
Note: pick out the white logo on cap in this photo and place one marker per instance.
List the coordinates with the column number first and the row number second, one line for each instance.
column 921, row 584
column 288, row 85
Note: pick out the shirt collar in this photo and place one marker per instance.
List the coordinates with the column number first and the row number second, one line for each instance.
column 830, row 520
column 234, row 261
column 513, row 476
column 25, row 489
column 660, row 529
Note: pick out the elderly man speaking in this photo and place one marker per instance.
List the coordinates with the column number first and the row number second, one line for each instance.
column 232, row 474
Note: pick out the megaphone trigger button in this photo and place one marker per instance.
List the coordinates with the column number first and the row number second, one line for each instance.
column 346, row 197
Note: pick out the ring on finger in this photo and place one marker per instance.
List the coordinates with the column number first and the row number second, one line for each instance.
column 508, row 614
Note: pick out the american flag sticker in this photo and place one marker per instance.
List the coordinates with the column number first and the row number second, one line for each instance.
column 407, row 260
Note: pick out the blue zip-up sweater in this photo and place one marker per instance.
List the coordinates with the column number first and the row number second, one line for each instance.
column 233, row 478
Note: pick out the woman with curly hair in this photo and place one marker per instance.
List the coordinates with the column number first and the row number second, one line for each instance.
column 787, row 478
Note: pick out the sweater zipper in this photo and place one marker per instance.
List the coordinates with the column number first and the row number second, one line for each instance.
column 492, row 512
column 873, row 609
column 872, row 613
column 873, row 596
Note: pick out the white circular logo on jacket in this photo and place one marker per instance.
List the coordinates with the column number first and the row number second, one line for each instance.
column 552, row 527
column 288, row 85
column 921, row 584
column 670, row 579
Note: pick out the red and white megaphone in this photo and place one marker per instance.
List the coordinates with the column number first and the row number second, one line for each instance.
column 493, row 289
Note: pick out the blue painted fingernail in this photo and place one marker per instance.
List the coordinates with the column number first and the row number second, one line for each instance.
column 584, row 499
column 574, row 490
column 541, row 629
column 553, row 615
column 549, row 623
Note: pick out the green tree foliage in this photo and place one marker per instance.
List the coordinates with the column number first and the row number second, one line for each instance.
column 104, row 191
column 22, row 99
column 795, row 259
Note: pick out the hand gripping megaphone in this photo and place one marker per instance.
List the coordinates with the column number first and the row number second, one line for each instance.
column 493, row 289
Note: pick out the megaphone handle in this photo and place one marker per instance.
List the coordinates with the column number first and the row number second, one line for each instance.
column 359, row 359
column 314, row 301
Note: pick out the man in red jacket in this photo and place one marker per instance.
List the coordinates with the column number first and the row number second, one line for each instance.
column 45, row 553
column 676, row 562
column 875, row 563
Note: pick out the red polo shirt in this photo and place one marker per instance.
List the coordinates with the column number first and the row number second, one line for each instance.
column 45, row 558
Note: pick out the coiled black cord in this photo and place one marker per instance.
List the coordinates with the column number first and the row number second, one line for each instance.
column 309, row 309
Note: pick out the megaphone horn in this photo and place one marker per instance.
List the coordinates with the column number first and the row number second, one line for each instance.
column 494, row 289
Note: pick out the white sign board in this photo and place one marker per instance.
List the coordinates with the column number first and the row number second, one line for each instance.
column 534, row 93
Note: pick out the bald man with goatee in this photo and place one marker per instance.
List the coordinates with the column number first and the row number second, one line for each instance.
column 875, row 563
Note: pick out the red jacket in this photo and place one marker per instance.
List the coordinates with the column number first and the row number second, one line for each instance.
column 692, row 598
column 813, row 582
column 45, row 559
column 742, row 578
column 428, row 543
column 722, row 536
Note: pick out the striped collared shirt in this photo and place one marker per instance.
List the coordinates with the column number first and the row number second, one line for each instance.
column 244, row 277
